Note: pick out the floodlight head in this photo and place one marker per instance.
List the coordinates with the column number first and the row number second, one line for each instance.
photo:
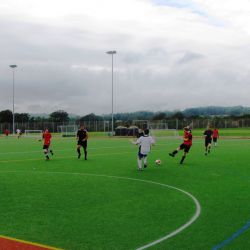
column 13, row 66
column 111, row 52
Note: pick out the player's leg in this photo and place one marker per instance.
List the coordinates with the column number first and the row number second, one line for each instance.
column 85, row 150
column 51, row 151
column 206, row 144
column 215, row 141
column 186, row 150
column 46, row 152
column 183, row 157
column 78, row 149
column 176, row 151
column 209, row 147
column 145, row 161
column 139, row 160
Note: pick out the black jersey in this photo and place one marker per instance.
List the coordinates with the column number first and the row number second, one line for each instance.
column 82, row 134
column 208, row 134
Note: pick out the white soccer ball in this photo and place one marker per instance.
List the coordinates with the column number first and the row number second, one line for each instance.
column 158, row 162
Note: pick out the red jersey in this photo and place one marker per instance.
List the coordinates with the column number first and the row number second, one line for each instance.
column 6, row 132
column 187, row 138
column 215, row 133
column 47, row 137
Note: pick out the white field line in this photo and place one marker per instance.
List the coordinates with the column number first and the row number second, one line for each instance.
column 155, row 242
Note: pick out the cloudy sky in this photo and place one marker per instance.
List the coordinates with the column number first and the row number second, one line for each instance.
column 171, row 54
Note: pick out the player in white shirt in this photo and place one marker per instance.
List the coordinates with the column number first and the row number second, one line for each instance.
column 145, row 142
column 19, row 133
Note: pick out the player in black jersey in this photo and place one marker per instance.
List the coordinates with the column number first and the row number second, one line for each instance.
column 208, row 139
column 82, row 139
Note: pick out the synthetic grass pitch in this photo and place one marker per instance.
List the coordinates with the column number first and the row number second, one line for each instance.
column 73, row 204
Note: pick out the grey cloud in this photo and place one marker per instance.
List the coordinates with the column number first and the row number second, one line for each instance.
column 190, row 56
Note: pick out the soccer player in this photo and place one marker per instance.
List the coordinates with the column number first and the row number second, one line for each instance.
column 46, row 144
column 19, row 133
column 208, row 139
column 82, row 141
column 186, row 145
column 6, row 132
column 215, row 136
column 145, row 142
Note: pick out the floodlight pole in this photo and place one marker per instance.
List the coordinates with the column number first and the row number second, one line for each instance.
column 112, row 52
column 13, row 95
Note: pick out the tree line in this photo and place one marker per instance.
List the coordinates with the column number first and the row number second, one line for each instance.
column 62, row 116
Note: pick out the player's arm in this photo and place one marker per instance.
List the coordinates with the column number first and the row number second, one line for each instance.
column 205, row 134
column 87, row 136
column 152, row 141
column 136, row 142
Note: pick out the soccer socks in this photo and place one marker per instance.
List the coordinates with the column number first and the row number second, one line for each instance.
column 182, row 159
column 145, row 162
column 51, row 152
column 79, row 153
column 173, row 153
column 46, row 154
column 139, row 162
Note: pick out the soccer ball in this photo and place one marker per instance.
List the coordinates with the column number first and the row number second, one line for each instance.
column 158, row 162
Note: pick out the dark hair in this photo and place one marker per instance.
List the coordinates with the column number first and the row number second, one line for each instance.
column 146, row 131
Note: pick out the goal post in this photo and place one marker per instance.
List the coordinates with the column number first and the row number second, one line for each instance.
column 33, row 133
column 164, row 133
column 161, row 130
column 67, row 130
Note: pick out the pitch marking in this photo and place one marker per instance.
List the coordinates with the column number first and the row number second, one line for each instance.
column 155, row 242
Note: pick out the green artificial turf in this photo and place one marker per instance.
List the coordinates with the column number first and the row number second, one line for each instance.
column 76, row 204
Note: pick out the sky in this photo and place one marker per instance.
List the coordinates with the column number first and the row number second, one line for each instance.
column 171, row 55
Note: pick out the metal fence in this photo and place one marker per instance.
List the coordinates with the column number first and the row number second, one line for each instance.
column 105, row 126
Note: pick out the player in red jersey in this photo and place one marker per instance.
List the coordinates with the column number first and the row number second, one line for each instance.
column 46, row 143
column 186, row 145
column 215, row 136
column 6, row 132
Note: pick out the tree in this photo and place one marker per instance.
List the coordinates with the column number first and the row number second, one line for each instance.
column 159, row 116
column 22, row 117
column 59, row 116
column 178, row 115
column 90, row 117
column 6, row 116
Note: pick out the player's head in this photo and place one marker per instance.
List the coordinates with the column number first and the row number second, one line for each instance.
column 146, row 131
column 46, row 130
column 187, row 128
column 82, row 126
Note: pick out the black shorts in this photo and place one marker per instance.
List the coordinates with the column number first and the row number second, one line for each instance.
column 46, row 146
column 84, row 144
column 185, row 147
column 207, row 142
column 215, row 139
column 140, row 155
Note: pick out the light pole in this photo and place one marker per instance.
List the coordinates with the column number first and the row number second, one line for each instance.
column 13, row 93
column 112, row 52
